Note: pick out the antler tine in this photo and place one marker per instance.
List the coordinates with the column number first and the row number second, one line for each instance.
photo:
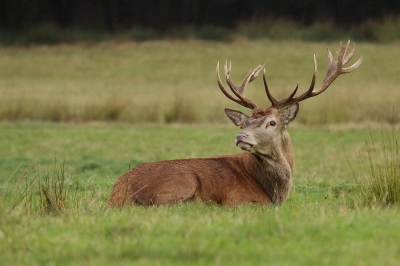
column 335, row 68
column 353, row 66
column 227, row 94
column 256, row 72
column 277, row 103
column 291, row 99
column 309, row 92
column 350, row 55
column 251, row 75
column 238, row 91
column 271, row 98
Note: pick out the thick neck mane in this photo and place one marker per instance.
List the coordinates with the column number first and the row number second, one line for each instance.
column 274, row 173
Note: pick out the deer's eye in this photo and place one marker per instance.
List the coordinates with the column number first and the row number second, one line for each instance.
column 272, row 123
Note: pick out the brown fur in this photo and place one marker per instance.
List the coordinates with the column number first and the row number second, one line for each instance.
column 262, row 176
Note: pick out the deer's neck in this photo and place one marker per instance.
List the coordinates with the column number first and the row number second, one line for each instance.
column 273, row 171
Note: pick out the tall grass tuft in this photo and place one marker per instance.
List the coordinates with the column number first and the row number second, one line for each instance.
column 375, row 170
column 41, row 194
column 52, row 191
column 381, row 183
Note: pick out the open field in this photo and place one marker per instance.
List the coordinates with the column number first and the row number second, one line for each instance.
column 119, row 100
column 323, row 222
column 169, row 81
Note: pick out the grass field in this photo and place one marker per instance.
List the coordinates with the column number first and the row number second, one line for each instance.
column 175, row 81
column 323, row 221
column 328, row 218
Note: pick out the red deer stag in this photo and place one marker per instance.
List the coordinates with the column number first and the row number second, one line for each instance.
column 263, row 174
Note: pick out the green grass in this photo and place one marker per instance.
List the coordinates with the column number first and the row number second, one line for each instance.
column 122, row 101
column 174, row 81
column 317, row 225
column 206, row 235
column 382, row 179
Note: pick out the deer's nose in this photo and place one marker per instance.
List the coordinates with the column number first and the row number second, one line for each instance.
column 241, row 137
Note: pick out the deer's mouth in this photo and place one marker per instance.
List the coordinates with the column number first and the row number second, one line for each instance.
column 244, row 145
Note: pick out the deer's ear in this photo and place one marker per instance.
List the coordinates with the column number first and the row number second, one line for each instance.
column 238, row 118
column 290, row 113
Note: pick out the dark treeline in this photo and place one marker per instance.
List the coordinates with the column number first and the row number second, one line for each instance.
column 114, row 15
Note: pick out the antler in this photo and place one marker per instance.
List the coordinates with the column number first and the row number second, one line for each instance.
column 238, row 91
column 335, row 68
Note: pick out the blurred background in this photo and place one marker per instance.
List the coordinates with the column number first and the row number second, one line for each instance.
column 53, row 21
column 154, row 60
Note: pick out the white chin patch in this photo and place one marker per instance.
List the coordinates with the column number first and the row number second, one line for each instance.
column 244, row 146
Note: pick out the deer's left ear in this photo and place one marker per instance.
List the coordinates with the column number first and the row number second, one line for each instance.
column 290, row 113
column 238, row 118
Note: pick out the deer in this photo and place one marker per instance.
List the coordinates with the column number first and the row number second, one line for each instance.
column 262, row 175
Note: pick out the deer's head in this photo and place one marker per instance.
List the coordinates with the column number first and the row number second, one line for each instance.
column 265, row 129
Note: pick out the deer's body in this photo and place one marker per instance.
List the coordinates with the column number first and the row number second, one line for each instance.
column 261, row 175
column 231, row 180
column 223, row 180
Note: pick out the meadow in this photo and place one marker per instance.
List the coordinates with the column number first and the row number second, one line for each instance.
column 75, row 117
column 174, row 81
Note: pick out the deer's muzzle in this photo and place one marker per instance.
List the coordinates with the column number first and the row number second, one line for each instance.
column 242, row 142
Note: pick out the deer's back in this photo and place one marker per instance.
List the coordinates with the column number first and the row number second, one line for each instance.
column 222, row 180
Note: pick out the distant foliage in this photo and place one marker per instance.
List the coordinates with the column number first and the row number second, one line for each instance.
column 382, row 31
column 161, row 15
column 48, row 22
